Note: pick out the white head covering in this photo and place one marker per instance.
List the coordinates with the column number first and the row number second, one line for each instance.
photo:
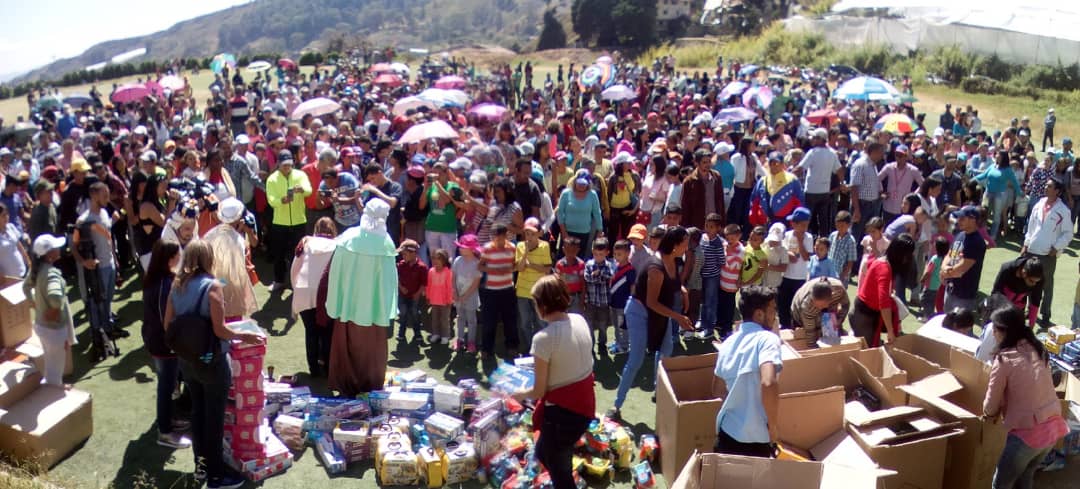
column 776, row 233
column 374, row 219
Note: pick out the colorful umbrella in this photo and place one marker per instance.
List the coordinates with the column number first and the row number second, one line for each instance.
column 604, row 60
column 758, row 94
column 77, row 100
column 389, row 79
column 867, row 88
column 172, row 82
column 406, row 103
column 315, row 107
column 428, row 130
column 492, row 112
column 818, row 117
column 735, row 114
column 132, row 92
column 221, row 61
column 732, row 89
column 895, row 123
column 444, row 98
column 286, row 64
column 748, row 70
column 381, row 68
column 450, row 82
column 258, row 66
column 618, row 93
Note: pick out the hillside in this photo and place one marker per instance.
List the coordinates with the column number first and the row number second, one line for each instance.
column 292, row 26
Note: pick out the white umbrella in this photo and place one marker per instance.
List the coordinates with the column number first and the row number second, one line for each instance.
column 428, row 130
column 401, row 68
column 618, row 92
column 867, row 88
column 257, row 66
column 403, row 105
column 443, row 98
column 172, row 82
column 315, row 107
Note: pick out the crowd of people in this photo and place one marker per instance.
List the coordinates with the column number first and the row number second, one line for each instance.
column 653, row 217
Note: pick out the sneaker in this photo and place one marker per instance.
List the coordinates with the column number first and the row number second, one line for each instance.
column 173, row 440
column 200, row 474
column 471, row 348
column 226, row 482
column 613, row 413
column 617, row 349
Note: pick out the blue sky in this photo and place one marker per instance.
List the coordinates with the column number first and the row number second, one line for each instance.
column 36, row 32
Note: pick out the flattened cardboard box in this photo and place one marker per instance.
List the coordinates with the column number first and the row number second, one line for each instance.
column 47, row 425
column 685, row 410
column 716, row 471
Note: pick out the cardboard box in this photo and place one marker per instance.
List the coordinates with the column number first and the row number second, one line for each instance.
column 17, row 380
column 876, row 371
column 46, row 426
column 905, row 439
column 685, row 410
column 716, row 471
column 32, row 349
column 797, row 340
column 16, row 324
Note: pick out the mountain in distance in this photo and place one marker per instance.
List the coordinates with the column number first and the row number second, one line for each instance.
column 293, row 26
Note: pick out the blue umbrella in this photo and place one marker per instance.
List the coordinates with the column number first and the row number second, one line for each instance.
column 867, row 88
column 733, row 88
column 78, row 100
column 748, row 70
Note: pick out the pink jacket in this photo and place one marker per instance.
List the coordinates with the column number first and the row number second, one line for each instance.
column 1021, row 388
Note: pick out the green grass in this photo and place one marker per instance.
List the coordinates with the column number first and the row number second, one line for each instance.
column 122, row 453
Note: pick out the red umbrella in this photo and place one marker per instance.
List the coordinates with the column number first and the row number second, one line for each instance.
column 389, row 79
column 819, row 116
column 130, row 93
column 287, row 63
column 381, row 68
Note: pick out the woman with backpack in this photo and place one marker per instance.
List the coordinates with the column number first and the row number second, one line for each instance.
column 157, row 283
column 196, row 304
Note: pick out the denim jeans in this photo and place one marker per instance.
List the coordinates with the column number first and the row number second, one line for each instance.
column 316, row 344
column 710, row 296
column 618, row 323
column 208, row 416
column 100, row 310
column 498, row 305
column 997, row 204
column 726, row 312
column 1016, row 467
column 408, row 315
column 1049, row 264
column 168, row 373
column 528, row 322
column 440, row 241
column 637, row 326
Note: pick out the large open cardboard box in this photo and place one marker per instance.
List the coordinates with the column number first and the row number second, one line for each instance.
column 797, row 340
column 15, row 321
column 46, row 426
column 716, row 471
column 17, row 380
column 685, row 410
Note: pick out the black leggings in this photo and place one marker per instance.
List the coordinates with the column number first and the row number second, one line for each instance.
column 559, row 433
column 727, row 445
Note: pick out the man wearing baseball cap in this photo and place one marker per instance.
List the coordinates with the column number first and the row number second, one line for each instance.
column 285, row 192
column 963, row 265
column 902, row 179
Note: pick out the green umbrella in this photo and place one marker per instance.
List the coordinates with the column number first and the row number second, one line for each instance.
column 49, row 102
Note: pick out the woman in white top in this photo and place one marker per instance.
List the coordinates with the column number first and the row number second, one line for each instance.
column 312, row 257
column 13, row 258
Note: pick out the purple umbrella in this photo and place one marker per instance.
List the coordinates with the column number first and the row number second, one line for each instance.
column 733, row 88
column 489, row 111
column 735, row 114
column 760, row 94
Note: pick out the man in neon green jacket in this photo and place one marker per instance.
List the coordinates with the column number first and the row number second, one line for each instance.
column 285, row 192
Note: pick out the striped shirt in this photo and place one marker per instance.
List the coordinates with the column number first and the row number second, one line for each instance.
column 500, row 266
column 864, row 176
column 714, row 256
column 732, row 269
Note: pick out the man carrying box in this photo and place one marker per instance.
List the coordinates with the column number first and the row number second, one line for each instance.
column 746, row 377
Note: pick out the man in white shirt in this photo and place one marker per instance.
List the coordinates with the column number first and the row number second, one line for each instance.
column 1049, row 231
column 819, row 165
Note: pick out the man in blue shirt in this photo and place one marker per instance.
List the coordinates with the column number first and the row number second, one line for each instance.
column 747, row 378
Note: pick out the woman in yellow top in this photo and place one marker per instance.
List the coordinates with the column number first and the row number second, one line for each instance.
column 532, row 260
column 622, row 197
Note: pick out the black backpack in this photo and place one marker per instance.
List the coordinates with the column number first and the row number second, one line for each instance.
column 191, row 336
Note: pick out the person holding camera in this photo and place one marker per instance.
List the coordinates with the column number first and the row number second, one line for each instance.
column 339, row 188
column 285, row 192
column 92, row 246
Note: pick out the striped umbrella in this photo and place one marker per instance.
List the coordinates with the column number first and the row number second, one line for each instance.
column 867, row 88
column 895, row 123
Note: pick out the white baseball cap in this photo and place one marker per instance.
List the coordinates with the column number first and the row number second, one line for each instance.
column 230, row 210
column 47, row 242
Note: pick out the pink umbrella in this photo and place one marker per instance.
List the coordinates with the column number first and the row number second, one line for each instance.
column 489, row 111
column 381, row 68
column 315, row 107
column 286, row 64
column 449, row 82
column 389, row 79
column 155, row 88
column 760, row 94
column 132, row 92
column 429, row 130
column 172, row 82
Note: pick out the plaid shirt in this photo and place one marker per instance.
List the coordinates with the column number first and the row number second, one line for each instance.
column 864, row 175
column 841, row 250
column 598, row 281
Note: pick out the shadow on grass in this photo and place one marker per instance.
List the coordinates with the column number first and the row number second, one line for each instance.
column 143, row 465
column 277, row 306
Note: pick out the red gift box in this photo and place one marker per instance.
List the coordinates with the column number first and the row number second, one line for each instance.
column 250, row 400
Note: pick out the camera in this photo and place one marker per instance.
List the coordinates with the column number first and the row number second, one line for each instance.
column 189, row 188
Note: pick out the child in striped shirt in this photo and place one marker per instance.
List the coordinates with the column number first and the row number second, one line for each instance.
column 730, row 278
column 498, row 302
column 712, row 246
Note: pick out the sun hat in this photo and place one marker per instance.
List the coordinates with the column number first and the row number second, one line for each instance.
column 468, row 241
column 638, row 231
column 230, row 210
